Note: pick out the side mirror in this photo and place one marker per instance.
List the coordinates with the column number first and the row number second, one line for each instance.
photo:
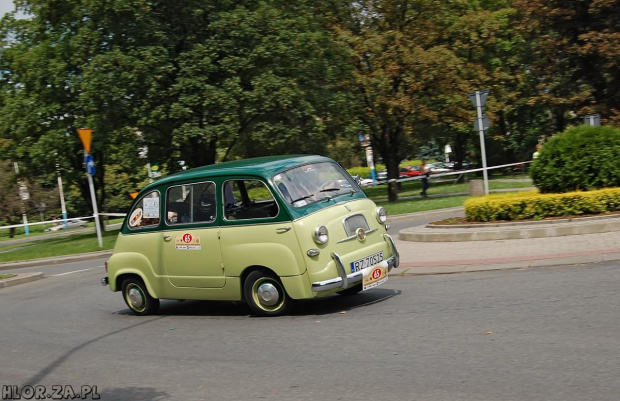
column 357, row 179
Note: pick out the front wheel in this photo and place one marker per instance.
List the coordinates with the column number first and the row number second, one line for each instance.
column 265, row 294
column 137, row 297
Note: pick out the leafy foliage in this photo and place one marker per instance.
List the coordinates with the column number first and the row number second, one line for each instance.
column 582, row 158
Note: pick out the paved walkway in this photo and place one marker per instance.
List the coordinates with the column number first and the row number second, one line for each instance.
column 432, row 250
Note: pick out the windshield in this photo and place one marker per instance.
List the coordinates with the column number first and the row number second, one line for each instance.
column 311, row 183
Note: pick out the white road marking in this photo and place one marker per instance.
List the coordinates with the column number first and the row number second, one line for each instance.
column 76, row 271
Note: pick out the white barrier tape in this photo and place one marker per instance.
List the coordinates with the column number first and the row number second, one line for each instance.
column 461, row 171
column 61, row 221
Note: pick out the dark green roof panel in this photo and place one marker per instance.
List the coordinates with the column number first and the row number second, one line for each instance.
column 259, row 166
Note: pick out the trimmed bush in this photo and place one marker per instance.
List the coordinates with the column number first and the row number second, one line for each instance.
column 533, row 205
column 582, row 158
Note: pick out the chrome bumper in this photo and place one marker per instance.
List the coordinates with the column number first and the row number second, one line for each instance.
column 104, row 281
column 345, row 280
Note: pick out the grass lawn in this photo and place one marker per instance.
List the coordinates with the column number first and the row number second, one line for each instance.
column 3, row 276
column 39, row 230
column 78, row 243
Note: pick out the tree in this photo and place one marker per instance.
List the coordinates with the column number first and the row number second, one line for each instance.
column 573, row 58
column 185, row 80
column 409, row 80
column 19, row 195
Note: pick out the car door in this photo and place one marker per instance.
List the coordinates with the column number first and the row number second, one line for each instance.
column 256, row 232
column 191, row 244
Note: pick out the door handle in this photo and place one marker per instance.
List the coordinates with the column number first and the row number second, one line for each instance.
column 282, row 230
column 167, row 237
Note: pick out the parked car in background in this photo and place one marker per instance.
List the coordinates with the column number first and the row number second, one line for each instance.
column 464, row 166
column 439, row 167
column 366, row 182
column 72, row 223
column 408, row 172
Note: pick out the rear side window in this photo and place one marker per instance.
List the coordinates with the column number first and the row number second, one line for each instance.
column 146, row 212
column 191, row 203
column 248, row 199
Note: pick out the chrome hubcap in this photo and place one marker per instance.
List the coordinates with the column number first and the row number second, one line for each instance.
column 268, row 294
column 136, row 298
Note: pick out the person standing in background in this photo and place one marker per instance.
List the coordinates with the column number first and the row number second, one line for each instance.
column 425, row 171
column 537, row 152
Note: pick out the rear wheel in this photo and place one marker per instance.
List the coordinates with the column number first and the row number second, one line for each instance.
column 137, row 297
column 265, row 294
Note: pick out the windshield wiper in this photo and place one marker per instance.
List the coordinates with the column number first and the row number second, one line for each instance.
column 330, row 189
column 302, row 198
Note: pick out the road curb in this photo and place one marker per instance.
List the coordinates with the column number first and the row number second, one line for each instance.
column 20, row 279
column 430, row 233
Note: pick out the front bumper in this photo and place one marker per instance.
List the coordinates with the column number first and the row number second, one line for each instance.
column 104, row 281
column 345, row 280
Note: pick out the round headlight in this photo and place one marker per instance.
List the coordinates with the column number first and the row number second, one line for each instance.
column 320, row 235
column 381, row 215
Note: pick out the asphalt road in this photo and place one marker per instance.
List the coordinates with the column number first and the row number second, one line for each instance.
column 541, row 334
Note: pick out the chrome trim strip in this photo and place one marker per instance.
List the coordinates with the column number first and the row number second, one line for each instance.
column 341, row 271
column 395, row 253
column 355, row 236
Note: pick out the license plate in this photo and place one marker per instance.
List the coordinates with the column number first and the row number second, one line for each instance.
column 368, row 261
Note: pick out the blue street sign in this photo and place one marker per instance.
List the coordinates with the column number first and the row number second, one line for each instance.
column 90, row 164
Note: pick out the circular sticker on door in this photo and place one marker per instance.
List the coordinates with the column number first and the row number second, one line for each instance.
column 136, row 217
column 187, row 238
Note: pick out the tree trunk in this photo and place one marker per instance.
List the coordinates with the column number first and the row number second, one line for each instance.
column 392, row 170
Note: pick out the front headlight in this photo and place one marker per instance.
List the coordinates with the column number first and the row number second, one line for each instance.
column 381, row 215
column 320, row 235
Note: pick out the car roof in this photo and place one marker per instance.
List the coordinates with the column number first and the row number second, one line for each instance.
column 259, row 166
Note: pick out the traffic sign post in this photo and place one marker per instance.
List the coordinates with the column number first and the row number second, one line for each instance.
column 89, row 164
column 593, row 120
column 481, row 124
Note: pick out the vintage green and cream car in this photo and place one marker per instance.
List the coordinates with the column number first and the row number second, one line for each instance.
column 267, row 231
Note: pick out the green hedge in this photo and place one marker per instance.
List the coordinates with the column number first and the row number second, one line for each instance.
column 534, row 205
column 582, row 158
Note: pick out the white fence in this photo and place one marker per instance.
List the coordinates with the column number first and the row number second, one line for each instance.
column 62, row 221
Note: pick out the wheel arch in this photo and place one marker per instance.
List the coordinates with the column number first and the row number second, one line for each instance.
column 246, row 272
column 124, row 275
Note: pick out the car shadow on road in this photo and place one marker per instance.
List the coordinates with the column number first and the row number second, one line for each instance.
column 332, row 304
column 335, row 304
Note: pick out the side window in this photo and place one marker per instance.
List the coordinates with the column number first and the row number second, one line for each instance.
column 146, row 212
column 248, row 199
column 191, row 203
